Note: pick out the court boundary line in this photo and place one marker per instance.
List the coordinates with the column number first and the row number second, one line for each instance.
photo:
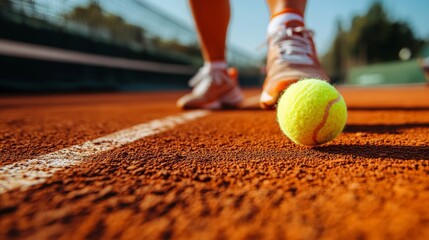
column 24, row 174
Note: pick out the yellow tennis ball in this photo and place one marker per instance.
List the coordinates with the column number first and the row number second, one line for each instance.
column 311, row 112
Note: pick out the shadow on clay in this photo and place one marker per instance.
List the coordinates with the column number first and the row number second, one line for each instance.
column 378, row 151
column 383, row 128
column 388, row 108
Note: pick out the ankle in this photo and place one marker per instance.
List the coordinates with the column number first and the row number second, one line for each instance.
column 216, row 65
column 287, row 17
column 287, row 10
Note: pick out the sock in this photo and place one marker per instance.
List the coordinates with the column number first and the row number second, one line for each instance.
column 216, row 65
column 280, row 19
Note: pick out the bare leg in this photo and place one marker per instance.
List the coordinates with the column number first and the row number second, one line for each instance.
column 213, row 86
column 211, row 19
column 279, row 6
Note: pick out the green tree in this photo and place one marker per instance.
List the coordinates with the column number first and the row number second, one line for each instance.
column 372, row 38
column 97, row 20
column 335, row 60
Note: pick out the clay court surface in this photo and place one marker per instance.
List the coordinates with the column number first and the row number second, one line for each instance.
column 211, row 175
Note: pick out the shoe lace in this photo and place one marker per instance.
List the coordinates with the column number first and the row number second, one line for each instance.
column 210, row 75
column 294, row 44
column 206, row 76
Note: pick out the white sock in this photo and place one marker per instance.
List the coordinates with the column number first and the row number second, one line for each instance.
column 215, row 65
column 280, row 20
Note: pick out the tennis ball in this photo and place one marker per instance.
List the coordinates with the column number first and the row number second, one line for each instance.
column 311, row 112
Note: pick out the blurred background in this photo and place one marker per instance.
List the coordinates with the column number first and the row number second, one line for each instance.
column 147, row 45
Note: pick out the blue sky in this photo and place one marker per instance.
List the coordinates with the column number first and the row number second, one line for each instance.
column 250, row 18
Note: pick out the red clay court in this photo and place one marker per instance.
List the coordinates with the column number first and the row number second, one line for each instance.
column 132, row 166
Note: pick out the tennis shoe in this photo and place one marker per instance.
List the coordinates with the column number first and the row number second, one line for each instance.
column 213, row 88
column 291, row 57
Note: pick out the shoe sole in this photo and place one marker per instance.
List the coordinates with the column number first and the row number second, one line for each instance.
column 231, row 99
column 266, row 101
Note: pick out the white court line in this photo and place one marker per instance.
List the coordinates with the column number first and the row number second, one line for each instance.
column 22, row 175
